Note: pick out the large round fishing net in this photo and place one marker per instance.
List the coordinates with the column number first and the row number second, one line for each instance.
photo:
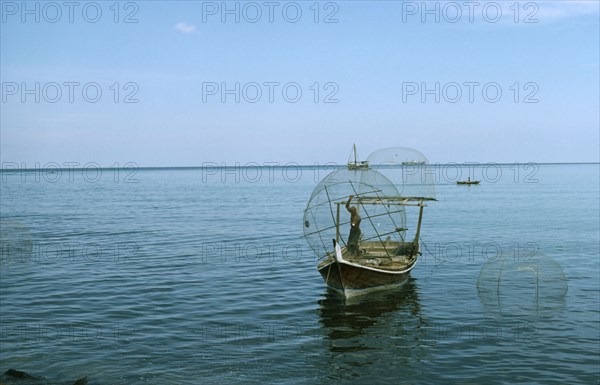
column 522, row 283
column 407, row 168
column 326, row 207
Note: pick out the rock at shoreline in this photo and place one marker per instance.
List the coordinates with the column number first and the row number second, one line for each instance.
column 17, row 374
column 81, row 381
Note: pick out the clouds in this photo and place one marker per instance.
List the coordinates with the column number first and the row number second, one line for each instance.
column 557, row 10
column 185, row 28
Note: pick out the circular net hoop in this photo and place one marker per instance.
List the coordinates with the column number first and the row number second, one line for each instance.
column 320, row 216
column 407, row 168
column 522, row 283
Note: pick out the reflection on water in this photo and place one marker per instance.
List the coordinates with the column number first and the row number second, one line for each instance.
column 375, row 332
column 196, row 303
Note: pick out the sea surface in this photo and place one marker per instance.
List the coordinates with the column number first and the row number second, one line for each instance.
column 202, row 276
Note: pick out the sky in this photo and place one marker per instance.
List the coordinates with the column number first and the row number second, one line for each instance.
column 188, row 83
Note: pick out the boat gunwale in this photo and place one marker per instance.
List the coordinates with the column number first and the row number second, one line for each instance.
column 357, row 265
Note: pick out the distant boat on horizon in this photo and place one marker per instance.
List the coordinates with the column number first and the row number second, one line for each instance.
column 468, row 181
column 354, row 163
column 413, row 162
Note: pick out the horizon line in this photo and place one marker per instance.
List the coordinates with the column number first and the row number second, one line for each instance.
column 278, row 165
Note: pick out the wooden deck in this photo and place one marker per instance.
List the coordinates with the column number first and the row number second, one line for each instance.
column 391, row 256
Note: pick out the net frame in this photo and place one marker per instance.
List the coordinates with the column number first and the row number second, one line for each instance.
column 376, row 198
column 396, row 176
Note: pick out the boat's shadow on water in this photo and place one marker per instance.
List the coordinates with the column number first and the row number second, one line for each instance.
column 374, row 332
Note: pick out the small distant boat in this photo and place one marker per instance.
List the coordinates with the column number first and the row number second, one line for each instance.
column 468, row 181
column 354, row 163
column 413, row 162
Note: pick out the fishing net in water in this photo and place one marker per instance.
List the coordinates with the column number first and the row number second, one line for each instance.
column 407, row 168
column 379, row 222
column 15, row 242
column 522, row 283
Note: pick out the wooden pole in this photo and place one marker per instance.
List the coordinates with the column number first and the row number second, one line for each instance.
column 337, row 224
column 416, row 242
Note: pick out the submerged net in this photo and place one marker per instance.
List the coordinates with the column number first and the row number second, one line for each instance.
column 522, row 283
column 379, row 222
column 15, row 241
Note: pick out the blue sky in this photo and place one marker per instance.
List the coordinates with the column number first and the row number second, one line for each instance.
column 373, row 63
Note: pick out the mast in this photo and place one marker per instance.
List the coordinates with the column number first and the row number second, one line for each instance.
column 354, row 146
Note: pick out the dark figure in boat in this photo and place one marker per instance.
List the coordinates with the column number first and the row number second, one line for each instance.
column 354, row 236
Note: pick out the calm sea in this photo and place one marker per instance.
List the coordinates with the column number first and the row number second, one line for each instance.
column 201, row 276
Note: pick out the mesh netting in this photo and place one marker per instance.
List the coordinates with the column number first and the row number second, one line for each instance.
column 525, row 283
column 15, row 241
column 407, row 168
column 378, row 221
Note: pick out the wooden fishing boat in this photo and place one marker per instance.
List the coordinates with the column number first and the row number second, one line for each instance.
column 378, row 264
column 378, row 253
column 467, row 182
column 354, row 163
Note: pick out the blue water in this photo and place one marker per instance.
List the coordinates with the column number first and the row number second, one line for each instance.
column 188, row 276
